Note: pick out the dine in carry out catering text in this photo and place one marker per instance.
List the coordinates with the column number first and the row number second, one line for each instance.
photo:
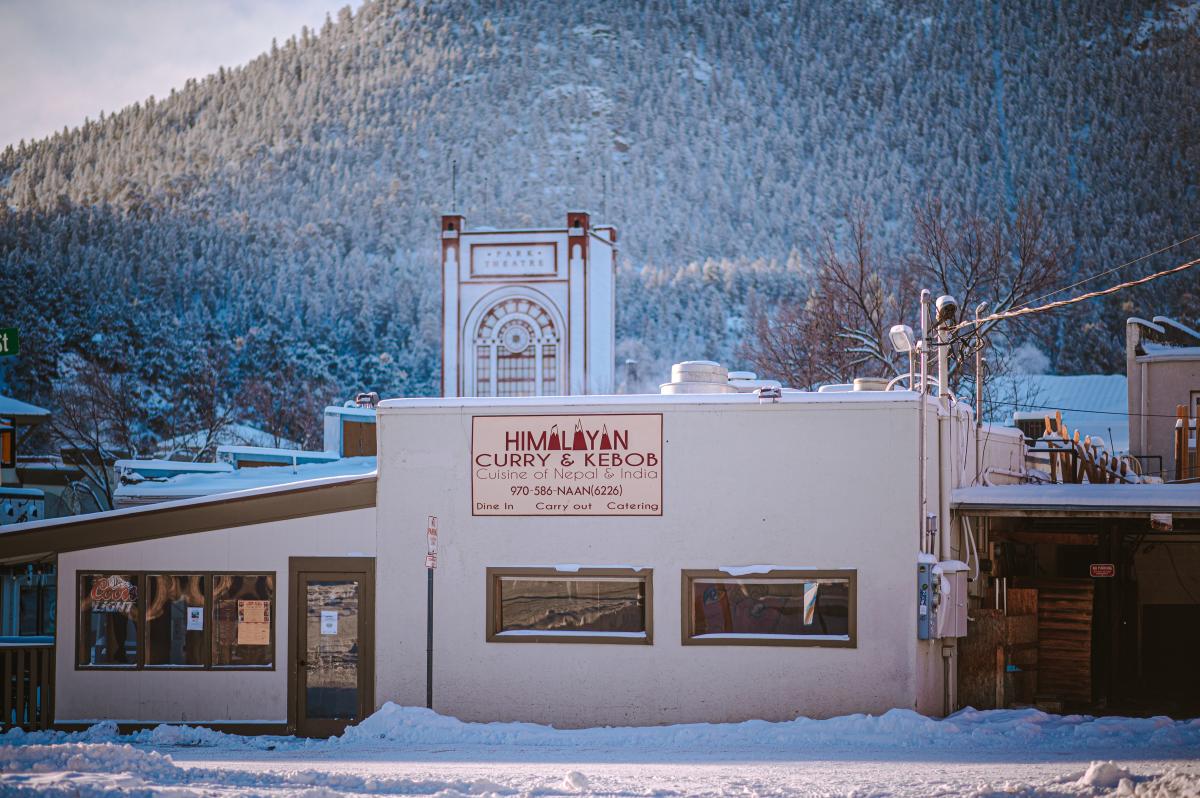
column 597, row 464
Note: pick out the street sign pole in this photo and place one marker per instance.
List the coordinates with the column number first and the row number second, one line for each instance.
column 430, row 565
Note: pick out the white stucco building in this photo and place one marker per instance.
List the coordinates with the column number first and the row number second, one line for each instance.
column 653, row 558
column 528, row 312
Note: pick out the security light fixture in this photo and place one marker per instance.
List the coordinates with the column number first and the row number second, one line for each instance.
column 902, row 337
column 947, row 310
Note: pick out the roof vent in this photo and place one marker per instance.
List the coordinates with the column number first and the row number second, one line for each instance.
column 698, row 376
column 870, row 384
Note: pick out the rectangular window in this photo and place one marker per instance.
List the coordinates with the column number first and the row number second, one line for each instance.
column 183, row 620
column 175, row 615
column 109, row 618
column 8, row 448
column 592, row 605
column 243, row 621
column 791, row 608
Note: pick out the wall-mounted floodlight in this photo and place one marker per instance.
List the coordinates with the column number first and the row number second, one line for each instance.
column 902, row 338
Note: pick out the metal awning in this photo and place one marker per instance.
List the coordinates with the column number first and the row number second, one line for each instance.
column 1078, row 501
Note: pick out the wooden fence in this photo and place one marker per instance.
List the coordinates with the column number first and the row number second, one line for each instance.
column 27, row 673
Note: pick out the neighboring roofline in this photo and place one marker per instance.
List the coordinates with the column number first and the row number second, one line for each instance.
column 1167, row 354
column 201, row 514
column 1076, row 501
column 24, row 412
column 789, row 399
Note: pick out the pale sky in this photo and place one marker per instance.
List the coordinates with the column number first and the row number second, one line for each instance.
column 64, row 60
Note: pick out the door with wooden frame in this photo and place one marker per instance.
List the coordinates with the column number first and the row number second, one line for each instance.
column 331, row 643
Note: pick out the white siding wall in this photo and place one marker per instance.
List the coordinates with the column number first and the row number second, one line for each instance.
column 196, row 696
column 825, row 485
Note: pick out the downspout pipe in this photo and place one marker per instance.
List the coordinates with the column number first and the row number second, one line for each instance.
column 922, row 386
column 946, row 312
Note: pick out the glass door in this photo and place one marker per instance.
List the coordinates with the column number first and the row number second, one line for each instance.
column 332, row 659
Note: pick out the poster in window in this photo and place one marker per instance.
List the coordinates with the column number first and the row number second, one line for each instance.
column 579, row 464
column 195, row 619
column 254, row 622
column 329, row 622
column 254, row 611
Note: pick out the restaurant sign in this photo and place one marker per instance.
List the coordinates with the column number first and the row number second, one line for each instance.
column 600, row 464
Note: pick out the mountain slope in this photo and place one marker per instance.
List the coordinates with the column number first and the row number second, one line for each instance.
column 293, row 200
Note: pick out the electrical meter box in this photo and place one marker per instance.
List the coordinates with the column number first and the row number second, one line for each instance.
column 925, row 600
column 950, row 578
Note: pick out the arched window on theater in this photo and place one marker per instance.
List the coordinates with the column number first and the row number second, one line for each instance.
column 517, row 351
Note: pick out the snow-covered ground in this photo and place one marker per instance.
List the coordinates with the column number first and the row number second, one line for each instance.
column 406, row 751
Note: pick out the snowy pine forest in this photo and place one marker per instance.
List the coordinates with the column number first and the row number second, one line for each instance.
column 263, row 241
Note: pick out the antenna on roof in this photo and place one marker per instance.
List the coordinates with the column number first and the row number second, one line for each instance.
column 454, row 183
column 604, row 199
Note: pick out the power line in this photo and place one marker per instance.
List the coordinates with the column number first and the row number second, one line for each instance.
column 1009, row 314
column 1110, row 271
column 1019, row 405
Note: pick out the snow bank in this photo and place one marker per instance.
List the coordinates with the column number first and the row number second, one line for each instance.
column 898, row 728
column 84, row 770
column 969, row 729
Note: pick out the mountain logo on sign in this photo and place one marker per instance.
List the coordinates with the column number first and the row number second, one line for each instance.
column 581, row 439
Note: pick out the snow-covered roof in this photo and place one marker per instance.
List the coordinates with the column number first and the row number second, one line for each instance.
column 789, row 397
column 248, row 505
column 1167, row 339
column 1080, row 499
column 242, row 479
column 359, row 412
column 269, row 451
column 1095, row 404
column 21, row 411
column 230, row 435
column 1153, row 351
column 166, row 468
column 1177, row 326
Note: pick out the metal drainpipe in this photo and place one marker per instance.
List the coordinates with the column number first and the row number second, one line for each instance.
column 921, row 458
column 945, row 453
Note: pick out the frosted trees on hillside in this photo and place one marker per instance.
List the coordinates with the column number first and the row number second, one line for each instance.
column 304, row 186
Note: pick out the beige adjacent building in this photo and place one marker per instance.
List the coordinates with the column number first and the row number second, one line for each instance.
column 1162, row 359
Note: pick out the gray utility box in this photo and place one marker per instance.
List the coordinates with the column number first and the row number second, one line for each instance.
column 941, row 600
column 951, row 617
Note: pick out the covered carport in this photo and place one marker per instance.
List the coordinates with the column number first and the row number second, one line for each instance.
column 1106, row 577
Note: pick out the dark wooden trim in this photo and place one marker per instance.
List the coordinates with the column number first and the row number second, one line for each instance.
column 1062, row 538
column 491, row 615
column 687, row 637
column 209, row 620
column 361, row 568
column 110, row 528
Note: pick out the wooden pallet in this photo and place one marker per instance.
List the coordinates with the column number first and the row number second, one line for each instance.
column 1065, row 608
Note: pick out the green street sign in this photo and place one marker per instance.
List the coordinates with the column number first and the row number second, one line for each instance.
column 10, row 341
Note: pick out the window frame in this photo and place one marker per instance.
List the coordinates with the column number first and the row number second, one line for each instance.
column 492, row 613
column 8, row 444
column 687, row 625
column 142, row 581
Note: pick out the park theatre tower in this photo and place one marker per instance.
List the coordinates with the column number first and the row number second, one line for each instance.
column 528, row 312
